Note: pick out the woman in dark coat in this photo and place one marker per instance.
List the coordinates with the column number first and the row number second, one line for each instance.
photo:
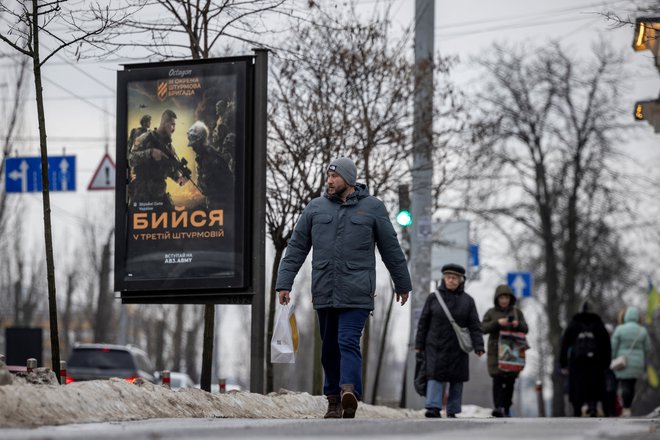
column 585, row 355
column 446, row 362
column 504, row 316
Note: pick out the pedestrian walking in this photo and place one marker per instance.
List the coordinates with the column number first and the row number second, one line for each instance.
column 343, row 227
column 585, row 357
column 447, row 364
column 631, row 341
column 503, row 316
column 611, row 404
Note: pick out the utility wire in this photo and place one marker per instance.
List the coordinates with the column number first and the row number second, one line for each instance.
column 512, row 27
column 85, row 100
column 545, row 13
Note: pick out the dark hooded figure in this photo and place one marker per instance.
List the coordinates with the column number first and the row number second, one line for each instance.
column 585, row 355
column 504, row 316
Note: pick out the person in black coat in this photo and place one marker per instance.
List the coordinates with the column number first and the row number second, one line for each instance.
column 446, row 362
column 585, row 356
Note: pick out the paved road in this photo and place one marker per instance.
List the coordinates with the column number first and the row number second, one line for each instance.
column 421, row 429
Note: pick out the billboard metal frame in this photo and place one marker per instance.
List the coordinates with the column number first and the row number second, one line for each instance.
column 193, row 290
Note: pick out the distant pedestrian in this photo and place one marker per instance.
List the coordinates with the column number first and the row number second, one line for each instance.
column 632, row 341
column 446, row 363
column 611, row 405
column 504, row 316
column 585, row 356
column 343, row 227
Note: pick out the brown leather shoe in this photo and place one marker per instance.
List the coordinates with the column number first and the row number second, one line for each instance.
column 334, row 408
column 349, row 402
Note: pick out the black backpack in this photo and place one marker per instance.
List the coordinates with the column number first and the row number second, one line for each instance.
column 585, row 345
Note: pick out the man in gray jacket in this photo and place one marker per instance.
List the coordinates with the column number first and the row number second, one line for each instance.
column 343, row 227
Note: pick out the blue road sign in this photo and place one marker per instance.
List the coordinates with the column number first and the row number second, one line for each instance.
column 474, row 255
column 521, row 283
column 23, row 174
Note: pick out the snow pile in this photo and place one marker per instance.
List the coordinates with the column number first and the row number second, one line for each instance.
column 35, row 399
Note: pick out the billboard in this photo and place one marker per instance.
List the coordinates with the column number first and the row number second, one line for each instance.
column 183, row 165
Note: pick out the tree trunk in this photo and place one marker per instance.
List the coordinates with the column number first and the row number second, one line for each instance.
column 104, row 311
column 48, row 237
column 191, row 353
column 177, row 338
column 18, row 287
column 553, row 311
column 66, row 319
column 207, row 347
column 160, row 344
column 381, row 348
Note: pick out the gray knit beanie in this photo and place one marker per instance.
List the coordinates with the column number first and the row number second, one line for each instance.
column 345, row 167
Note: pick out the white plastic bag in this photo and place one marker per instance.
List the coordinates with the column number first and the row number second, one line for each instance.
column 281, row 346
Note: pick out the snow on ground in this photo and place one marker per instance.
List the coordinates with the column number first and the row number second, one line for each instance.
column 35, row 399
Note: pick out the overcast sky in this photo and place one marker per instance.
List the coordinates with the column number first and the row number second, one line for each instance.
column 81, row 106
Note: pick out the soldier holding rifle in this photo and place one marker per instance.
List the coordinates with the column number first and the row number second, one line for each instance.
column 153, row 160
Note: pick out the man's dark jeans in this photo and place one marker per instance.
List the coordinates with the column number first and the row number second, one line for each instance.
column 341, row 357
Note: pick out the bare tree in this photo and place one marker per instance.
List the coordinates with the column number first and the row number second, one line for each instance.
column 12, row 113
column 641, row 8
column 14, row 88
column 341, row 88
column 23, row 33
column 104, row 324
column 23, row 278
column 195, row 28
column 67, row 315
column 545, row 150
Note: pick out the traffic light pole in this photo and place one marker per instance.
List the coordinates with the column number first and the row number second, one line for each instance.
column 422, row 183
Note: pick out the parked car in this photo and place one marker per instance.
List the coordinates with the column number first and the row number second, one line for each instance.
column 180, row 380
column 103, row 361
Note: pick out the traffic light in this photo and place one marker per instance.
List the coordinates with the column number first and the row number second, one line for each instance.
column 648, row 111
column 647, row 31
column 404, row 217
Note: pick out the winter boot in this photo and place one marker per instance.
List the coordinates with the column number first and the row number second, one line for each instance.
column 334, row 408
column 349, row 402
column 498, row 412
column 432, row 413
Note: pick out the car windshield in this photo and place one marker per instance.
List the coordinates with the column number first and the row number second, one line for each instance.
column 101, row 358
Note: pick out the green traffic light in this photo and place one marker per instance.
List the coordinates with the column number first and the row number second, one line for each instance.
column 404, row 218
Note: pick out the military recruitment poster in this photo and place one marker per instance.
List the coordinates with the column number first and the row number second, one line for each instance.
column 182, row 144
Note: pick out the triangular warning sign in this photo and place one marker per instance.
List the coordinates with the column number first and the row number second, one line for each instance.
column 104, row 177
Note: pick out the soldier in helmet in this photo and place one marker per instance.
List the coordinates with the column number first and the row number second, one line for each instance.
column 223, row 137
column 153, row 160
column 214, row 178
column 145, row 123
